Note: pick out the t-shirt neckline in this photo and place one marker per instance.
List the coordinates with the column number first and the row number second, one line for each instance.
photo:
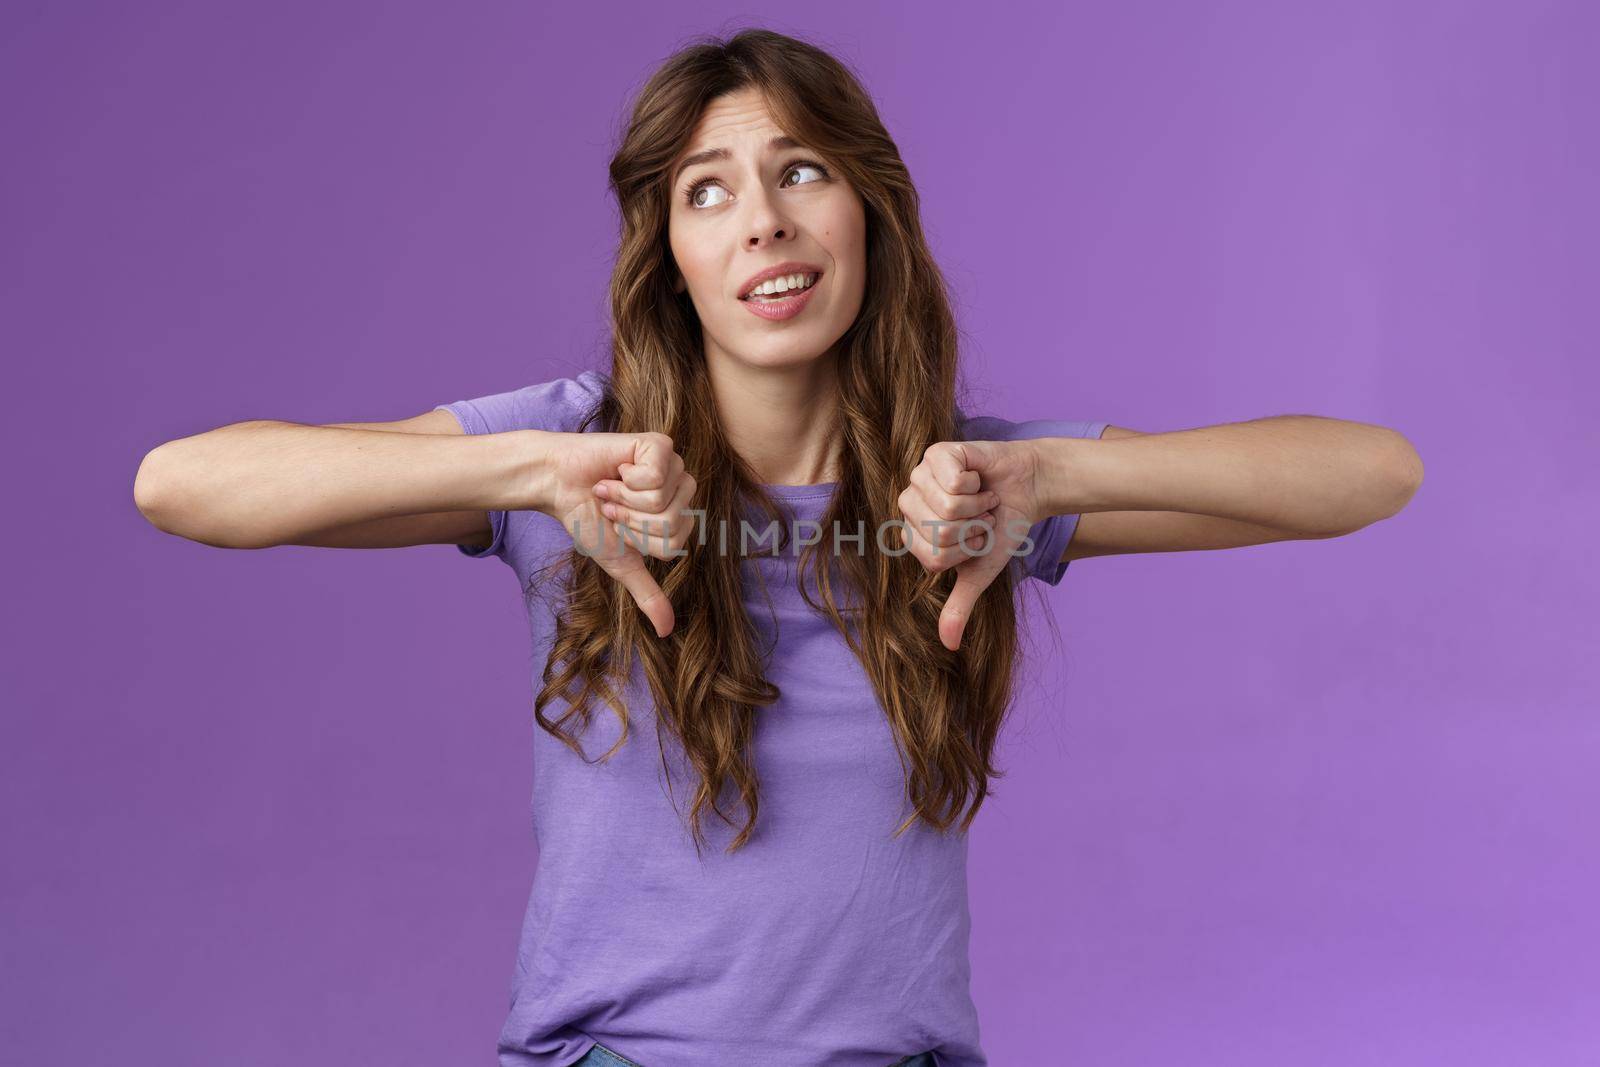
column 800, row 492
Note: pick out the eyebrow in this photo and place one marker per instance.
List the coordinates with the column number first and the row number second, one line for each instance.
column 712, row 155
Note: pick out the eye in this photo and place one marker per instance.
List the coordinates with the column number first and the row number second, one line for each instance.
column 806, row 164
column 692, row 192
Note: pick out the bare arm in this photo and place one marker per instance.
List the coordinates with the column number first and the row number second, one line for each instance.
column 359, row 485
column 470, row 527
column 1290, row 477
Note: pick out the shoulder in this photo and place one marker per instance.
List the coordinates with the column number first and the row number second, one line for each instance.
column 998, row 428
column 570, row 399
column 559, row 404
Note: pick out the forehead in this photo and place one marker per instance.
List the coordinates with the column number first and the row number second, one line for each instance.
column 737, row 116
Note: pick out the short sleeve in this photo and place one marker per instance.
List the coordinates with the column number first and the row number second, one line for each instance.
column 1052, row 534
column 558, row 405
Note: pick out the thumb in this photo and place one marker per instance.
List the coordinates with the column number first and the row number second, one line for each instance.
column 629, row 569
column 972, row 578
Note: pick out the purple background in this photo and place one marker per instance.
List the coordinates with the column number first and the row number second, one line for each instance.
column 1319, row 803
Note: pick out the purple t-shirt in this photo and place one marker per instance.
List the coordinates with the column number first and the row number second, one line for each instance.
column 824, row 940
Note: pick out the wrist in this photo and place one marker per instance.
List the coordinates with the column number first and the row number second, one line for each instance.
column 536, row 478
column 1061, row 475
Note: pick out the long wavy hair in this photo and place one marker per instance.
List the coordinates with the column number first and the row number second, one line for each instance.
column 897, row 395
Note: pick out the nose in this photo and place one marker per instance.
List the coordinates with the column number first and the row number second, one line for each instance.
column 768, row 223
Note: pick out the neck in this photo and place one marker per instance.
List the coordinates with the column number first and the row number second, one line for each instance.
column 780, row 419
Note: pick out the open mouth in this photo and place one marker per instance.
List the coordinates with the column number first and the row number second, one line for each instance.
column 776, row 290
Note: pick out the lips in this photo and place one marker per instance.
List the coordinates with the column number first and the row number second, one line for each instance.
column 784, row 307
column 778, row 270
column 791, row 291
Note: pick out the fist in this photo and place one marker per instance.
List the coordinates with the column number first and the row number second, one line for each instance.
column 621, row 496
column 970, row 504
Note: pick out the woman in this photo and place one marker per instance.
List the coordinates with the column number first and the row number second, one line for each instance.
column 829, row 712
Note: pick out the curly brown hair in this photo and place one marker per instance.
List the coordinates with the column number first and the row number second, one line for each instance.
column 897, row 383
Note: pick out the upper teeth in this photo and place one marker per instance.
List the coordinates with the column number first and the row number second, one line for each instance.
column 778, row 285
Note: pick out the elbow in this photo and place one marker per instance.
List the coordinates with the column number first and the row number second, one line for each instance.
column 1404, row 471
column 1394, row 479
column 164, row 493
column 171, row 499
column 152, row 487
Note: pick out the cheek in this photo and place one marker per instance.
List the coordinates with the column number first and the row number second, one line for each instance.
column 685, row 253
column 846, row 230
column 694, row 271
column 842, row 230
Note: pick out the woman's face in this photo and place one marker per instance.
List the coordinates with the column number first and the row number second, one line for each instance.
column 758, row 206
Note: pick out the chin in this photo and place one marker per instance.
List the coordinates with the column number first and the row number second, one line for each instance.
column 786, row 357
column 786, row 351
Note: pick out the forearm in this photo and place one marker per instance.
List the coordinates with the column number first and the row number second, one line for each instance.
column 261, row 483
column 1304, row 474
